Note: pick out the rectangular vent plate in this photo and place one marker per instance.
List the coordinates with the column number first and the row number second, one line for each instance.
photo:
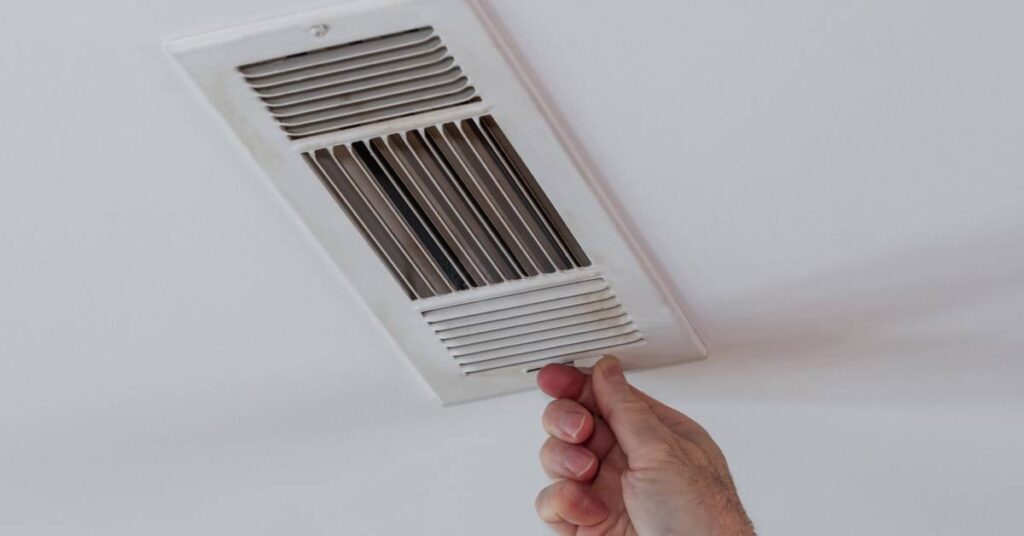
column 409, row 141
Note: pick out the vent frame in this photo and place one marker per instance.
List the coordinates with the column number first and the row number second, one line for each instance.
column 211, row 61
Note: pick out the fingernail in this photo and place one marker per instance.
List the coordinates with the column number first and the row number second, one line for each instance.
column 578, row 461
column 571, row 424
column 611, row 370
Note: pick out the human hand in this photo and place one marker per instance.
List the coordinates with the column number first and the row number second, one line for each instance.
column 629, row 465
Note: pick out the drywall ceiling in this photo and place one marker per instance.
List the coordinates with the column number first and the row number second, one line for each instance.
column 835, row 191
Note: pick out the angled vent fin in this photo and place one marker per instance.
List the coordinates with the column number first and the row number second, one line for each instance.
column 448, row 207
column 352, row 84
column 542, row 323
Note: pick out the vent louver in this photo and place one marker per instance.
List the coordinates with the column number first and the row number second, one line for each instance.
column 448, row 207
column 353, row 84
column 539, row 324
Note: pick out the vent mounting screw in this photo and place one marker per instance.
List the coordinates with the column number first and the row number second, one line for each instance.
column 319, row 30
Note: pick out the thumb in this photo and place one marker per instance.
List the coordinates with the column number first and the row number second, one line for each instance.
column 634, row 423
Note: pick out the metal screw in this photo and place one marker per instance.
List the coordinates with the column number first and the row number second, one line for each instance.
column 319, row 30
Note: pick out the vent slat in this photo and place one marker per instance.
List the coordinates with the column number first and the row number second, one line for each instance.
column 519, row 342
column 336, row 53
column 370, row 104
column 447, row 212
column 411, row 176
column 438, row 262
column 351, row 71
column 555, row 249
column 321, row 88
column 430, row 235
column 410, row 107
column 482, row 200
column 539, row 346
column 530, row 328
column 372, row 226
column 502, row 189
column 536, row 325
column 513, row 301
column 486, row 190
column 555, row 354
column 348, row 100
column 496, row 249
column 488, row 254
column 494, row 132
column 497, row 327
column 392, row 222
column 353, row 84
column 521, row 311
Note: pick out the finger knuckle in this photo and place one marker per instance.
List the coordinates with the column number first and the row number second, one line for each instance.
column 545, row 451
column 555, row 409
column 550, row 410
column 558, row 498
column 661, row 452
column 549, row 500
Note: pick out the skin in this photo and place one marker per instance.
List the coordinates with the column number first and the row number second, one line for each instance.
column 626, row 464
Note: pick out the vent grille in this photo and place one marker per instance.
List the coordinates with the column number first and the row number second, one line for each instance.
column 348, row 85
column 541, row 324
column 448, row 207
column 440, row 159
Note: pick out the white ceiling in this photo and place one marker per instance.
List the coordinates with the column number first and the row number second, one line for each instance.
column 835, row 190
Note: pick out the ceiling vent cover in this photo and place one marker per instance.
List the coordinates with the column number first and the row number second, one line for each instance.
column 410, row 143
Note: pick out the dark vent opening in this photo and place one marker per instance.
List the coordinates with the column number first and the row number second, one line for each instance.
column 449, row 207
column 493, row 199
column 485, row 251
column 539, row 223
column 412, row 214
column 533, row 189
column 456, row 176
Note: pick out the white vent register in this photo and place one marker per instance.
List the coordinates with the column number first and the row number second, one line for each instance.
column 408, row 139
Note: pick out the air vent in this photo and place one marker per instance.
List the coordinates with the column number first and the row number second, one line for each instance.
column 433, row 176
column 356, row 83
column 537, row 324
column 448, row 207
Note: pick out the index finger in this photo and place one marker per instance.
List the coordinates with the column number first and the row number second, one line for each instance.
column 562, row 381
